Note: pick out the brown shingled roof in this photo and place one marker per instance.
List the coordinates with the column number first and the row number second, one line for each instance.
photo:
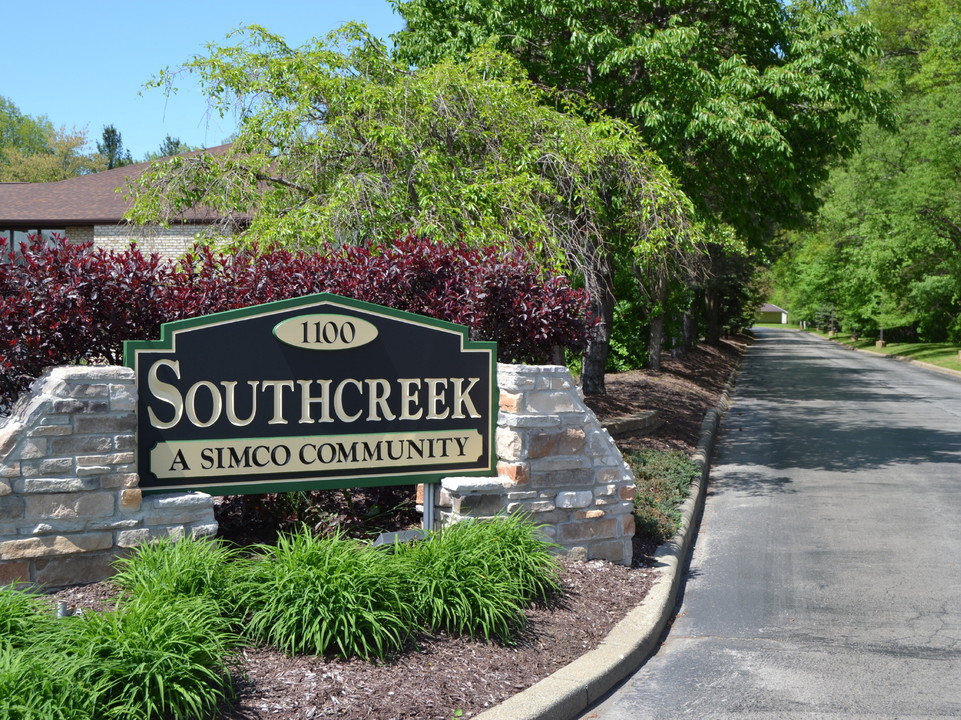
column 84, row 200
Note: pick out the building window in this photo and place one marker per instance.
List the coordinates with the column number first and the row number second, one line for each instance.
column 13, row 240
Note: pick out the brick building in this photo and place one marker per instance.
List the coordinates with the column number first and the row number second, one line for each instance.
column 91, row 208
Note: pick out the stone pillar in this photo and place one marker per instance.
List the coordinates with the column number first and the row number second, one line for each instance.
column 556, row 462
column 69, row 496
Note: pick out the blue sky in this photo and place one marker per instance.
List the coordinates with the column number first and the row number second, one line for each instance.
column 84, row 64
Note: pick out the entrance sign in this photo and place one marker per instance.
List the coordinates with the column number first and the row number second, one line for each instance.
column 317, row 392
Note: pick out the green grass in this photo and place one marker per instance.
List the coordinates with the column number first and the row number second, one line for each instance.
column 941, row 354
column 477, row 577
column 190, row 567
column 166, row 652
column 662, row 483
column 326, row 595
column 38, row 685
column 150, row 659
column 22, row 613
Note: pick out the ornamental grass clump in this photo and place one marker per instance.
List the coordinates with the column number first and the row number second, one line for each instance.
column 33, row 681
column 152, row 657
column 524, row 553
column 21, row 614
column 189, row 567
column 321, row 595
column 36, row 685
column 476, row 578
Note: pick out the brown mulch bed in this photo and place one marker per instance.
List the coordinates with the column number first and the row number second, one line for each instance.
column 682, row 392
column 439, row 676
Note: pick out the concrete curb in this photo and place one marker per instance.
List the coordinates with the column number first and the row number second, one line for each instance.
column 910, row 361
column 567, row 693
column 927, row 366
column 903, row 359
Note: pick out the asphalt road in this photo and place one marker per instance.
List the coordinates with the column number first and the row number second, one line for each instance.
column 825, row 581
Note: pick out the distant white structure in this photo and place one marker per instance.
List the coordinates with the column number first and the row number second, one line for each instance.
column 772, row 314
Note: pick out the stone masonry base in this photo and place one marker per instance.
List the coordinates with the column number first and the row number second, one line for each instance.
column 69, row 497
column 70, row 503
column 555, row 462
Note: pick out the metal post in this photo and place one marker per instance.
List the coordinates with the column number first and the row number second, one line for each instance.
column 428, row 521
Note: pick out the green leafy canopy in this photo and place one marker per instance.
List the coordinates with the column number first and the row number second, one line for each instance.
column 748, row 102
column 340, row 141
column 885, row 249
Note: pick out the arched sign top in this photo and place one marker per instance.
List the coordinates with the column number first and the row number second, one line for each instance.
column 243, row 402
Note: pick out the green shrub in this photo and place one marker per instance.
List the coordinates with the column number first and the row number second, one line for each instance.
column 663, row 481
column 190, row 567
column 475, row 577
column 518, row 549
column 165, row 652
column 324, row 595
column 37, row 685
column 21, row 613
column 152, row 657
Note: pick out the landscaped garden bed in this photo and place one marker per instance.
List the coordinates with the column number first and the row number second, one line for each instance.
column 439, row 674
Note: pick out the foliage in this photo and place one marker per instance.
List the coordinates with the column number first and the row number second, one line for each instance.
column 170, row 569
column 169, row 147
column 61, row 157
column 65, row 303
column 165, row 652
column 111, row 147
column 747, row 103
column 20, row 614
column 324, row 595
column 663, row 481
column 153, row 657
column 22, row 132
column 338, row 140
column 459, row 150
column 32, row 149
column 70, row 303
column 36, row 685
column 476, row 577
column 630, row 324
column 885, row 251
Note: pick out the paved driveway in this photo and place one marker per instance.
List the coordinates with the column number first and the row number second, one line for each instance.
column 826, row 577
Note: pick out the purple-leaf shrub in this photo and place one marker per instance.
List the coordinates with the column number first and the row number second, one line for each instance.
column 67, row 303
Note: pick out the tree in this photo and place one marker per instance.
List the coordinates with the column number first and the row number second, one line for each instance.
column 748, row 103
column 891, row 223
column 172, row 146
column 63, row 157
column 111, row 147
column 33, row 150
column 22, row 132
column 168, row 148
column 339, row 141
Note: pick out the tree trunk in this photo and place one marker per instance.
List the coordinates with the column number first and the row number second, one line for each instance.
column 655, row 340
column 712, row 315
column 599, row 282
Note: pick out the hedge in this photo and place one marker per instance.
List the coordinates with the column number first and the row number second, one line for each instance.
column 66, row 303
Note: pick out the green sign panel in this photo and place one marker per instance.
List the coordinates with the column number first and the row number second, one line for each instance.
column 316, row 392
